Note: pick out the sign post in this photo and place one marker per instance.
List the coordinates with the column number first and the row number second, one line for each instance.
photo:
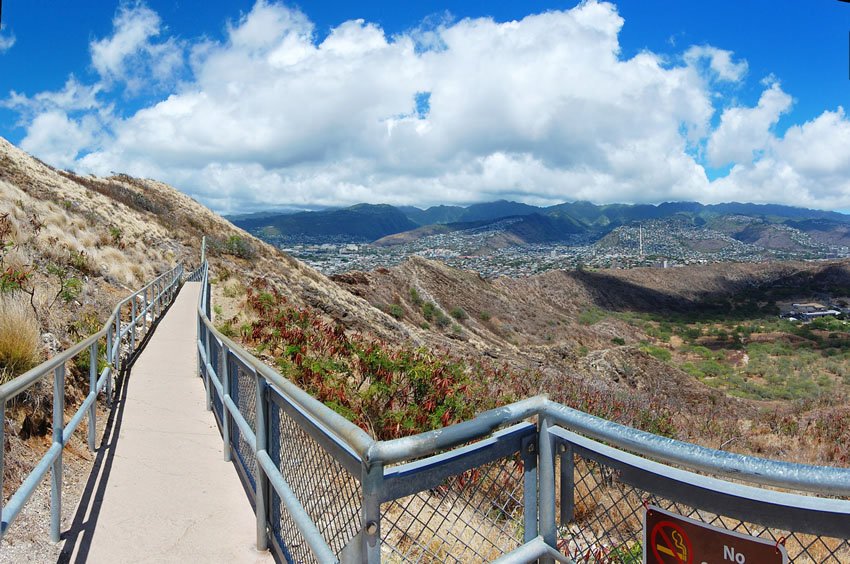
column 674, row 539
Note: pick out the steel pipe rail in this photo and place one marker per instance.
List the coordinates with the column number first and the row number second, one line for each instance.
column 824, row 480
column 156, row 296
column 531, row 551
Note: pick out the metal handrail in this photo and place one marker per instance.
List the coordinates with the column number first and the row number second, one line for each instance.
column 375, row 455
column 155, row 296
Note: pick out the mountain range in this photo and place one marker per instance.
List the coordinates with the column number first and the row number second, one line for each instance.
column 528, row 224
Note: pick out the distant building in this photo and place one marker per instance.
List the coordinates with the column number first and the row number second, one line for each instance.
column 823, row 313
column 810, row 307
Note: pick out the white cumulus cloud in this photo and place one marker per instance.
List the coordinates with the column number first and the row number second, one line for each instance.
column 808, row 166
column 131, row 55
column 719, row 62
column 745, row 131
column 58, row 139
column 74, row 96
column 542, row 109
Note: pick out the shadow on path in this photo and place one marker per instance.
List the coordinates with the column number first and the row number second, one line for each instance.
column 79, row 536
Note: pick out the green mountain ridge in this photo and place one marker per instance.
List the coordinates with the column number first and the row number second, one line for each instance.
column 533, row 224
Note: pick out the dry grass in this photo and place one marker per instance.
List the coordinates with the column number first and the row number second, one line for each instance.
column 20, row 339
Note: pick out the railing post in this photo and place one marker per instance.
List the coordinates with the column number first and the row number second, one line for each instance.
column 224, row 373
column 372, row 483
column 529, row 487
column 207, row 378
column 93, row 390
column 199, row 344
column 208, row 308
column 155, row 289
column 565, row 453
column 56, row 471
column 546, row 489
column 111, row 362
column 262, row 495
column 2, row 455
column 117, row 342
column 134, row 321
column 147, row 311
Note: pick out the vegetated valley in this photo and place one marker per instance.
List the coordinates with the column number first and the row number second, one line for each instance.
column 696, row 353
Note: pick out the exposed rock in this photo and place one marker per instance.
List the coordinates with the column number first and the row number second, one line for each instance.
column 51, row 344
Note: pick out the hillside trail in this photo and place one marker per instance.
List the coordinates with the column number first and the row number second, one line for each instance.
column 169, row 496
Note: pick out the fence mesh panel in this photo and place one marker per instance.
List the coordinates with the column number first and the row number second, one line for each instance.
column 607, row 525
column 475, row 516
column 216, row 361
column 326, row 490
column 243, row 392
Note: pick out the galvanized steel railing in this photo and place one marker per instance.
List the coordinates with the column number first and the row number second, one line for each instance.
column 126, row 326
column 572, row 487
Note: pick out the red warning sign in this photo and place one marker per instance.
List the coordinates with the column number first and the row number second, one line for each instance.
column 670, row 544
column 673, row 539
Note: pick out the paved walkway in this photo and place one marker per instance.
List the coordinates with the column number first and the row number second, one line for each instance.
column 170, row 497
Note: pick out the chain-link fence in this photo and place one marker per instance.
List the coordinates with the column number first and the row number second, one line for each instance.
column 244, row 395
column 216, row 360
column 330, row 493
column 606, row 509
column 474, row 516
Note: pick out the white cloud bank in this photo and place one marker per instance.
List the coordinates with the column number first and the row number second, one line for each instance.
column 542, row 110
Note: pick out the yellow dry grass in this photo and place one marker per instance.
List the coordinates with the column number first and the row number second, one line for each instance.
column 20, row 339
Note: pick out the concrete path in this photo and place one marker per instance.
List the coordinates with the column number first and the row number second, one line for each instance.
column 170, row 497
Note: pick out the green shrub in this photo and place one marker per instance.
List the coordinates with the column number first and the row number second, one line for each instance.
column 116, row 234
column 80, row 261
column 428, row 310
column 660, row 353
column 83, row 325
column 233, row 290
column 71, row 289
column 415, row 299
column 458, row 313
column 13, row 279
column 234, row 245
column 618, row 341
column 591, row 316
column 227, row 329
column 394, row 310
column 484, row 316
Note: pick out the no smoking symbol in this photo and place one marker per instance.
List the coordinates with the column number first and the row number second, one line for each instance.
column 670, row 544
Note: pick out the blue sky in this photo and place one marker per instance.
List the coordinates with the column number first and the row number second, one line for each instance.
column 635, row 101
